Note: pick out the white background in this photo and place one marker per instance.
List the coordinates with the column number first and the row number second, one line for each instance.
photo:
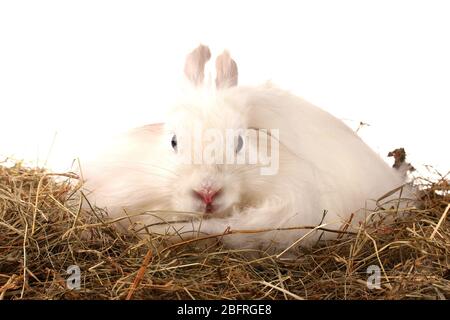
column 86, row 68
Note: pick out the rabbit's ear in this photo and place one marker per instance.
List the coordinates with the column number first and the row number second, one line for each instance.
column 194, row 67
column 227, row 72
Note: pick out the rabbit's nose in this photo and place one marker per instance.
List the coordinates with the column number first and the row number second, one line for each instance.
column 207, row 195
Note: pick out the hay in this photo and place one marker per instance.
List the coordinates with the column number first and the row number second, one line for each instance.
column 43, row 231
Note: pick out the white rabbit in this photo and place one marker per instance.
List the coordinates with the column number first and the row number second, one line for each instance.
column 322, row 166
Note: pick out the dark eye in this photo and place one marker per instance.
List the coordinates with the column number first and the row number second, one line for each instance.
column 174, row 142
column 240, row 144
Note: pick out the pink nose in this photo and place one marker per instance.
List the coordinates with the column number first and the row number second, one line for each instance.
column 206, row 195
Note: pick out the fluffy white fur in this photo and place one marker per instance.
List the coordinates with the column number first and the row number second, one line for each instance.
column 324, row 166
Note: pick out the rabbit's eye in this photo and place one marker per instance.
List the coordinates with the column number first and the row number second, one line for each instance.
column 240, row 144
column 174, row 142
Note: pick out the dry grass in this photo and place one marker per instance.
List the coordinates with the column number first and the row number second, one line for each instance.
column 42, row 223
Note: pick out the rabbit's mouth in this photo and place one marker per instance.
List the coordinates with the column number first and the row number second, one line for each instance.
column 216, row 211
column 209, row 208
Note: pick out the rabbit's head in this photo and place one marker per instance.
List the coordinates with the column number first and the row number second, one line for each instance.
column 210, row 143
